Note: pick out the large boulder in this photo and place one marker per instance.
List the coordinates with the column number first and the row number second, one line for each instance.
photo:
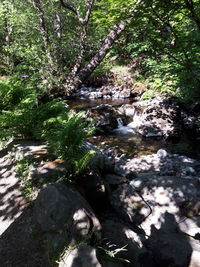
column 129, row 204
column 156, row 118
column 93, row 188
column 168, row 183
column 169, row 246
column 81, row 256
column 86, row 256
column 104, row 117
column 64, row 217
column 128, row 243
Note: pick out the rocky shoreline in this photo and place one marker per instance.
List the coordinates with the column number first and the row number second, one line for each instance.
column 141, row 211
column 140, row 206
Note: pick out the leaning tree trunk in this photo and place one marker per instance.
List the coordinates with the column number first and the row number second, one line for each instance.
column 72, row 85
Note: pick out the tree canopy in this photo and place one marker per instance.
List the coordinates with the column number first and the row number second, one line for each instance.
column 59, row 43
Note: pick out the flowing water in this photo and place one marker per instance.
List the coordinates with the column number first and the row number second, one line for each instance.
column 126, row 141
column 84, row 104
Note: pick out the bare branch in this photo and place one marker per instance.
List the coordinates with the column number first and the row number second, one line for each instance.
column 68, row 6
column 89, row 4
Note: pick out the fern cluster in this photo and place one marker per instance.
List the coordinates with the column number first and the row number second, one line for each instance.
column 63, row 130
column 65, row 136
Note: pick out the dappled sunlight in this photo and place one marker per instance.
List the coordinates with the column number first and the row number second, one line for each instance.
column 168, row 183
column 20, row 244
column 83, row 255
column 12, row 202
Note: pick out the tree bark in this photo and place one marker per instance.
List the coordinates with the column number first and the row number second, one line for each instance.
column 79, row 59
column 73, row 84
column 43, row 31
column 8, row 28
column 108, row 42
column 57, row 25
column 83, row 21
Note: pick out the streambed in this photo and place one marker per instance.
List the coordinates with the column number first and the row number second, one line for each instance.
column 134, row 145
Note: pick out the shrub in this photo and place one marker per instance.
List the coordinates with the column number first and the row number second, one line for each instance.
column 61, row 129
column 65, row 137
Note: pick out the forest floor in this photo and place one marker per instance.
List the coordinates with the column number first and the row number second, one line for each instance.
column 19, row 246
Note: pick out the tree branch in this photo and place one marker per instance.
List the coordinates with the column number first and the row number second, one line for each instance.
column 68, row 6
column 89, row 4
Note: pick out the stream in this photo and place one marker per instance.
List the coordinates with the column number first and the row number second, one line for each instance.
column 132, row 145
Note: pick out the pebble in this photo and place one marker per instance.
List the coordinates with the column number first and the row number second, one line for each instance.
column 161, row 153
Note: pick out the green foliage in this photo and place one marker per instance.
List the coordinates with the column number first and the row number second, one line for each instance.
column 65, row 136
column 109, row 252
column 162, row 45
column 64, row 131
column 16, row 102
column 164, row 36
column 14, row 93
column 149, row 94
column 23, row 167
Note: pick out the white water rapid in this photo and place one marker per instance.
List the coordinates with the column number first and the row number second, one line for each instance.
column 137, row 116
column 123, row 129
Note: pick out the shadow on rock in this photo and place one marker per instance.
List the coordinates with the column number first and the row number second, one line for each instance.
column 169, row 246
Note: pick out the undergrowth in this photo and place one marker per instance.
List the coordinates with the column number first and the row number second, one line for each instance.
column 64, row 131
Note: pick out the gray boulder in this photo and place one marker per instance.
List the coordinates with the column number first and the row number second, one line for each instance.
column 169, row 246
column 105, row 117
column 113, row 179
column 156, row 118
column 128, row 204
column 86, row 256
column 64, row 217
column 82, row 256
column 93, row 187
column 121, row 236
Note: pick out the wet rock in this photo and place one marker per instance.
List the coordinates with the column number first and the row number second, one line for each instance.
column 105, row 117
column 128, row 110
column 189, row 122
column 188, row 171
column 111, row 91
column 162, row 153
column 125, row 93
column 63, row 216
column 156, row 118
column 160, row 121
